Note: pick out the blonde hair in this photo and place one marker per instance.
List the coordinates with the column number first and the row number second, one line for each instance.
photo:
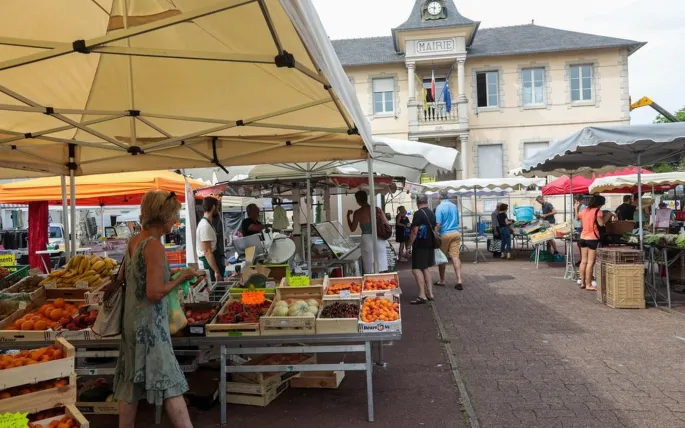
column 159, row 208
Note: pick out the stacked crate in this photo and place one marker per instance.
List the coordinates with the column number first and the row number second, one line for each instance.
column 621, row 278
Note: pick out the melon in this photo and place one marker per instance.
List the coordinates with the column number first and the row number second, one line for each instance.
column 298, row 309
column 312, row 309
column 282, row 303
column 280, row 311
column 312, row 302
column 309, row 314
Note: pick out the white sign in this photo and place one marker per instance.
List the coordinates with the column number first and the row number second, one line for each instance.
column 434, row 46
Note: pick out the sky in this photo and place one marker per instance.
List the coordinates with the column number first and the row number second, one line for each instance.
column 657, row 70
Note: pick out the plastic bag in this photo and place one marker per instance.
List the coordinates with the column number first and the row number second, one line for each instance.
column 440, row 257
column 177, row 319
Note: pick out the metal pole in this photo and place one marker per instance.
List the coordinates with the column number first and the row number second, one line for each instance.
column 308, row 199
column 475, row 213
column 65, row 218
column 654, row 218
column 222, row 383
column 369, row 375
column 72, row 200
column 570, row 261
column 372, row 214
column 639, row 201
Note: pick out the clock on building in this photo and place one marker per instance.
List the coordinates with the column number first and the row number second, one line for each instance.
column 433, row 9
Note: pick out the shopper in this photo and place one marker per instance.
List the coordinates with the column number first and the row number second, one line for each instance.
column 401, row 232
column 578, row 207
column 208, row 252
column 147, row 367
column 447, row 217
column 504, row 224
column 421, row 241
column 592, row 220
column 362, row 218
column 548, row 215
column 627, row 209
column 495, row 231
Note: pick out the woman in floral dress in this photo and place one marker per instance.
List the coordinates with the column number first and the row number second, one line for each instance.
column 147, row 367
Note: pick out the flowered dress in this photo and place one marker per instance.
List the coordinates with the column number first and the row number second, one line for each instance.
column 147, row 366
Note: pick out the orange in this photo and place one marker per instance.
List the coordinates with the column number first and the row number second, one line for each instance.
column 41, row 325
column 57, row 354
column 27, row 325
column 59, row 303
column 55, row 314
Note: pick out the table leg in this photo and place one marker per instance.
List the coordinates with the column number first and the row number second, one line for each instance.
column 45, row 265
column 222, row 384
column 369, row 379
column 668, row 279
column 379, row 361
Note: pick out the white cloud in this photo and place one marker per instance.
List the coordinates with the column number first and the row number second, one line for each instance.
column 656, row 70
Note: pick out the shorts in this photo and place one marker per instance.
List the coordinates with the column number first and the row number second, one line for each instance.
column 589, row 243
column 451, row 244
column 422, row 258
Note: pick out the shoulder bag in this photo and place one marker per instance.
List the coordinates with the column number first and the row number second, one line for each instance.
column 437, row 239
column 110, row 317
column 383, row 228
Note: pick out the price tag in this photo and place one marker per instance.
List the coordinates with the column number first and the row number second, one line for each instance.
column 13, row 420
column 271, row 284
column 197, row 330
column 81, row 284
column 50, row 285
column 345, row 294
column 22, row 305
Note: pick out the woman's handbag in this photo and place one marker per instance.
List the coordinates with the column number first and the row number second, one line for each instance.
column 437, row 239
column 111, row 314
column 494, row 245
column 383, row 228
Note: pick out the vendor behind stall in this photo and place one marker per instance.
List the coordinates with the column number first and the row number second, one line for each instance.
column 627, row 209
column 251, row 225
column 207, row 248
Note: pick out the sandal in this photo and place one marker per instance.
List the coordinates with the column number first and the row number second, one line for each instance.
column 430, row 299
column 440, row 284
column 419, row 301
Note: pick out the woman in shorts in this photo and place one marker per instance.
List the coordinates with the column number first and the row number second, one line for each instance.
column 591, row 219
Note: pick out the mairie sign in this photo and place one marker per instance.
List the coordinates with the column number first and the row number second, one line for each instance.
column 434, row 46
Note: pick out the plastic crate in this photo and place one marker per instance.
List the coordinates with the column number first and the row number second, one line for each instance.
column 17, row 273
column 176, row 257
column 620, row 256
column 625, row 286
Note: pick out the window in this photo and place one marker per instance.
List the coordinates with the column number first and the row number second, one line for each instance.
column 581, row 83
column 533, row 86
column 531, row 149
column 383, row 96
column 487, row 85
column 490, row 164
column 439, row 88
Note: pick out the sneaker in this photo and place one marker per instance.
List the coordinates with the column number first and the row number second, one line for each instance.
column 504, row 256
column 579, row 282
column 508, row 256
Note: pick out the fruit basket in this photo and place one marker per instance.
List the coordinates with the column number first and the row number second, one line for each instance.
column 69, row 416
column 26, row 289
column 81, row 275
column 380, row 314
column 10, row 275
column 343, row 288
column 381, row 284
column 237, row 318
column 44, row 320
column 292, row 312
column 198, row 315
column 340, row 316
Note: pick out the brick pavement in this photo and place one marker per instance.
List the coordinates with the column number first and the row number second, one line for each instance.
column 536, row 351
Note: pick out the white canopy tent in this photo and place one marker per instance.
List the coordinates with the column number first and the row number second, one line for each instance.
column 628, row 182
column 601, row 149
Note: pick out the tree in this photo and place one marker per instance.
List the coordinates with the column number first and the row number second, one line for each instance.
column 680, row 115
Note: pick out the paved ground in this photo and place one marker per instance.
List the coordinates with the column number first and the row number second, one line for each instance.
column 535, row 351
column 532, row 350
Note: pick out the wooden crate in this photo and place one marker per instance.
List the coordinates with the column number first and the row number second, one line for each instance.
column 73, row 293
column 98, row 407
column 14, row 294
column 43, row 371
column 620, row 256
column 213, row 329
column 72, row 412
column 198, row 328
column 295, row 281
column 321, row 380
column 345, row 280
column 383, row 326
column 39, row 335
column 261, row 400
column 600, row 274
column 390, row 276
column 337, row 325
column 275, row 326
column 625, row 286
column 41, row 400
column 14, row 308
column 269, row 380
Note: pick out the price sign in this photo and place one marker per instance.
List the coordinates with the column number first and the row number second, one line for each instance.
column 50, row 285
column 81, row 284
column 345, row 294
column 8, row 259
column 13, row 420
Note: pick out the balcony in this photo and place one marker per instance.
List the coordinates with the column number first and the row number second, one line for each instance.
column 437, row 113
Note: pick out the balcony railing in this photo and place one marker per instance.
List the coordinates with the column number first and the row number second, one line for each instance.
column 437, row 112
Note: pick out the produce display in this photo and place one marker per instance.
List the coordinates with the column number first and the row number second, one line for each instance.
column 29, row 285
column 296, row 308
column 379, row 309
column 378, row 284
column 49, row 315
column 89, row 269
column 196, row 316
column 340, row 310
column 85, row 319
column 238, row 312
column 29, row 389
column 336, row 289
column 7, row 279
column 34, row 356
column 63, row 422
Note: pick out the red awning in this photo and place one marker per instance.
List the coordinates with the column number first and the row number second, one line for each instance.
column 581, row 185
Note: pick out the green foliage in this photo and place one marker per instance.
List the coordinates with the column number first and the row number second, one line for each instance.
column 680, row 115
column 670, row 167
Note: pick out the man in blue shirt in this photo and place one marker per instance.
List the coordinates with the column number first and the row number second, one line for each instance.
column 447, row 217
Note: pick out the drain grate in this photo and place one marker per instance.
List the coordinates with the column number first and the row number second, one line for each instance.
column 497, row 278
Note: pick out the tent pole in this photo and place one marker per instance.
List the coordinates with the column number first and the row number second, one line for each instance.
column 72, row 220
column 308, row 199
column 372, row 213
column 639, row 201
column 475, row 214
column 570, row 259
column 654, row 215
column 123, row 4
column 65, row 217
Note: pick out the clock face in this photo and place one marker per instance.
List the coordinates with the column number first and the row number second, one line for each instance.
column 434, row 8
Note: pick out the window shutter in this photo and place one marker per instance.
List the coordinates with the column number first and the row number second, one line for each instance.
column 490, row 162
column 384, row 85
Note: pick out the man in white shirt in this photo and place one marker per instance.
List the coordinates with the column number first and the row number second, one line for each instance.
column 207, row 240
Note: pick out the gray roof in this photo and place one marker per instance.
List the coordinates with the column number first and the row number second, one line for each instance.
column 454, row 18
column 500, row 41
